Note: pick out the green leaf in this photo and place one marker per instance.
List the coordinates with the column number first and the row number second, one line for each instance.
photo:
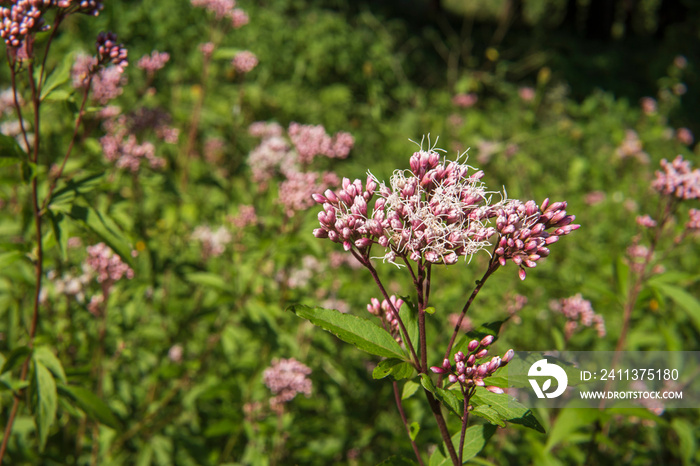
column 413, row 430
column 61, row 239
column 44, row 355
column 622, row 271
column 686, row 438
column 409, row 389
column 91, row 405
column 44, row 401
column 59, row 76
column 357, row 331
column 568, row 422
column 9, row 258
column 490, row 414
column 16, row 357
column 475, row 438
column 446, row 397
column 430, row 310
column 62, row 198
column 10, row 151
column 210, row 280
column 398, row 368
column 507, row 408
column 104, row 227
column 683, row 299
column 28, row 171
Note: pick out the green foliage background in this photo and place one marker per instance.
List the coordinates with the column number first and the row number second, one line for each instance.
column 385, row 76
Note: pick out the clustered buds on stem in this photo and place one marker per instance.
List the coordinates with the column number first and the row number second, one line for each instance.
column 285, row 378
column 25, row 17
column 467, row 371
column 109, row 51
column 385, row 311
column 677, row 179
column 523, row 231
column 438, row 212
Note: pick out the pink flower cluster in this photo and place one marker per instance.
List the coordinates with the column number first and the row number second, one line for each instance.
column 153, row 62
column 685, row 136
column 467, row 372
column 465, row 100
column 275, row 155
column 439, row 212
column 108, row 265
column 527, row 94
column 296, row 190
column 108, row 51
column 310, row 141
column 648, row 105
column 522, row 230
column 106, row 83
column 578, row 311
column 285, row 378
column 246, row 216
column 385, row 311
column 214, row 242
column 124, row 149
column 21, row 19
column 224, row 9
column 646, row 221
column 245, row 61
column 678, row 179
column 631, row 147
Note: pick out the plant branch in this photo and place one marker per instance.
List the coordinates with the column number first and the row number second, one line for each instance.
column 397, row 397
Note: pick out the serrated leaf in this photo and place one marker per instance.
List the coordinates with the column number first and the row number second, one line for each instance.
column 357, row 331
column 44, row 401
column 409, row 389
column 398, row 368
column 45, row 356
column 91, row 405
column 507, row 408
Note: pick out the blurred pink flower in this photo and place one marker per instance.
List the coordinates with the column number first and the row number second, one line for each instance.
column 245, row 61
column 684, row 136
column 465, row 100
column 527, row 94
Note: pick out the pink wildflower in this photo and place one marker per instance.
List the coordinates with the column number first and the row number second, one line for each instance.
column 646, row 221
column 387, row 312
column 578, row 311
column 239, row 18
column 677, row 179
column 648, row 105
column 465, row 100
column 594, row 197
column 680, row 62
column 286, row 378
column 153, row 62
column 527, row 94
column 246, row 216
column 694, row 220
column 631, row 146
column 685, row 136
column 108, row 265
column 245, row 61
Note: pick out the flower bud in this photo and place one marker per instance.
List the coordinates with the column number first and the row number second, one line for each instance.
column 487, row 340
column 474, row 344
column 496, row 390
column 482, row 353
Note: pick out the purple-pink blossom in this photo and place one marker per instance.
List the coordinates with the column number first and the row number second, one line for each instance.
column 465, row 100
column 286, row 378
column 527, row 94
column 387, row 312
column 245, row 61
column 153, row 62
column 108, row 51
column 678, row 179
column 108, row 266
column 312, row 140
column 578, row 311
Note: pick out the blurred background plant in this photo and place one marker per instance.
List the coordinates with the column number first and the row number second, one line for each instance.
column 549, row 103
